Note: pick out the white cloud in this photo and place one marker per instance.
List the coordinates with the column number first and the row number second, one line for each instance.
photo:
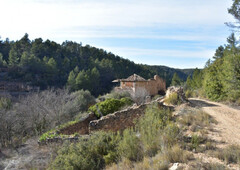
column 203, row 54
column 44, row 16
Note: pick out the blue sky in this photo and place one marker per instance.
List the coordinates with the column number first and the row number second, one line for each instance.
column 175, row 33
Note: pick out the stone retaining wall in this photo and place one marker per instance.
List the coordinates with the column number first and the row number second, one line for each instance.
column 81, row 127
column 120, row 120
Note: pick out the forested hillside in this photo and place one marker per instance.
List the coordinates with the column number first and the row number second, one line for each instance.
column 220, row 79
column 49, row 64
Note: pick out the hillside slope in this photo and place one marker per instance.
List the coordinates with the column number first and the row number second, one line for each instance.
column 49, row 64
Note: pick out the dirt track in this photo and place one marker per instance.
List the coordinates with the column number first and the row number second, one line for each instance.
column 227, row 130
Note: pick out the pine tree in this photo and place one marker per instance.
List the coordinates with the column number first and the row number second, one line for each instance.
column 231, row 79
column 71, row 82
column 189, row 83
column 13, row 57
column 176, row 81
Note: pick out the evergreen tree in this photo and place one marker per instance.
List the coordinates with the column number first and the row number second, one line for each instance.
column 213, row 85
column 189, row 83
column 231, row 79
column 13, row 57
column 81, row 80
column 71, row 82
column 176, row 81
column 2, row 62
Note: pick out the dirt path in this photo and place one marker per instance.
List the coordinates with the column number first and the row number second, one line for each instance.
column 227, row 130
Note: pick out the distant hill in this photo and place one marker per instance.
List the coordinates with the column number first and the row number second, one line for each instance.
column 49, row 64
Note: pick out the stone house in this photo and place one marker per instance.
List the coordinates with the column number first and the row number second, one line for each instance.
column 136, row 83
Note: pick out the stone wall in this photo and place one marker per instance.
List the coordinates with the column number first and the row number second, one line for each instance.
column 120, row 120
column 82, row 127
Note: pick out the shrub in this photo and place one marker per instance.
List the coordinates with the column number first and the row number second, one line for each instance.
column 49, row 134
column 175, row 154
column 129, row 147
column 195, row 141
column 82, row 156
column 109, row 106
column 118, row 94
column 170, row 135
column 150, row 126
column 100, row 149
column 5, row 103
column 230, row 154
column 173, row 99
column 188, row 93
column 82, row 100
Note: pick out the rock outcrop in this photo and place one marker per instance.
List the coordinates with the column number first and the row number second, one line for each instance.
column 179, row 91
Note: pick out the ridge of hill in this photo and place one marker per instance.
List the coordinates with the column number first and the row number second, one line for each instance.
column 49, row 64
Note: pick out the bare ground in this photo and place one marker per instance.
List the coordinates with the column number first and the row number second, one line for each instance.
column 225, row 132
column 227, row 129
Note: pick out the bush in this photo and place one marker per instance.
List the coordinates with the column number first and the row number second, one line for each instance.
column 106, row 148
column 188, row 93
column 173, row 99
column 5, row 103
column 82, row 156
column 82, row 100
column 150, row 126
column 118, row 94
column 170, row 135
column 129, row 147
column 100, row 149
column 109, row 106
column 230, row 154
column 175, row 154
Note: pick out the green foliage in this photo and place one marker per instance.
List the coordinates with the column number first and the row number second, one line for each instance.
column 49, row 134
column 175, row 154
column 231, row 76
column 48, row 64
column 100, row 149
column 71, row 82
column 109, row 106
column 5, row 103
column 158, row 119
column 176, row 81
column 117, row 94
column 173, row 99
column 82, row 100
column 2, row 61
column 155, row 134
column 170, row 134
column 195, row 81
column 212, row 85
column 221, row 78
column 195, row 141
column 53, row 133
column 188, row 93
column 235, row 10
column 129, row 147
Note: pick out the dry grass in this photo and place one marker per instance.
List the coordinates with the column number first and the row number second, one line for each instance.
column 230, row 154
column 210, row 166
column 198, row 120
column 176, row 154
column 159, row 162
